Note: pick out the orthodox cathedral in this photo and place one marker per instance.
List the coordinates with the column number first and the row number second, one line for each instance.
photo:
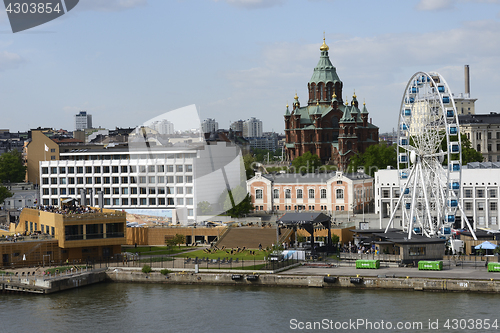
column 326, row 126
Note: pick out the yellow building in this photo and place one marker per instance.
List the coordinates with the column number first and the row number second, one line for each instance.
column 79, row 236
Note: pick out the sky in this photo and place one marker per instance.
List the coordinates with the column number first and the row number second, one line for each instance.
column 128, row 61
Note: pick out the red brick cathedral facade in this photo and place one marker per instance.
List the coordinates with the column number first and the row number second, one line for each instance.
column 326, row 127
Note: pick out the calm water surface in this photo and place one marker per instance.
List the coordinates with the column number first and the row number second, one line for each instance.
column 117, row 307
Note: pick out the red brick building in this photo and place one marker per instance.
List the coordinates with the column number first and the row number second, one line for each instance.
column 325, row 126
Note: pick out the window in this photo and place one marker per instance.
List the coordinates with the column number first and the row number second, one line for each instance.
column 189, row 201
column 179, row 179
column 114, row 169
column 493, row 193
column 45, row 170
column 180, row 190
column 339, row 182
column 125, row 201
column 161, row 179
column 133, row 202
column 107, row 190
column 62, row 169
column 116, row 180
column 170, row 179
column 52, row 150
column 161, row 168
column 339, row 193
column 142, row 179
column 170, row 201
column 468, row 193
column 493, row 205
column 323, row 193
column 45, row 180
column 133, row 190
column 124, row 180
column 161, row 201
column 106, row 180
column 124, row 169
column 116, row 190
column 53, row 180
column 161, row 190
column 88, row 169
column 97, row 180
column 151, row 168
column 311, row 193
column 468, row 206
column 299, row 193
column 124, row 190
column 189, row 168
column 189, row 179
column 79, row 180
column 152, row 179
column 189, row 190
column 288, row 193
column 170, row 190
column 152, row 190
column 480, row 206
column 79, row 169
column 152, row 201
column 45, row 191
column 71, row 169
column 105, row 169
column 71, row 191
column 133, row 180
column 133, row 168
column 142, row 190
column 180, row 201
column 258, row 194
column 417, row 251
column 480, row 193
column 143, row 201
column 341, row 207
column 385, row 194
column 53, row 170
column 53, row 158
column 480, row 219
column 62, row 191
column 71, row 180
column 276, row 193
column 170, row 168
column 53, row 191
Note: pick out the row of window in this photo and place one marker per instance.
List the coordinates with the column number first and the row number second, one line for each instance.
column 33, row 226
column 128, row 157
column 480, row 205
column 480, row 193
column 121, row 169
column 117, row 180
column 288, row 193
column 122, row 190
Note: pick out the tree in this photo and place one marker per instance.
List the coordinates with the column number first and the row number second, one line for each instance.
column 4, row 194
column 375, row 157
column 249, row 161
column 307, row 163
column 205, row 208
column 236, row 202
column 179, row 239
column 469, row 154
column 12, row 167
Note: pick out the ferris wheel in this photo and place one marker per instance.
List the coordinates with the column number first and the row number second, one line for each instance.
column 429, row 158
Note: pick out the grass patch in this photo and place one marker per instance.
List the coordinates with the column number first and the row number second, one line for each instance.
column 155, row 259
column 244, row 255
column 6, row 273
column 155, row 250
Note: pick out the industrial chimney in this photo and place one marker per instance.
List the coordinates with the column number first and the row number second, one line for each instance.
column 467, row 81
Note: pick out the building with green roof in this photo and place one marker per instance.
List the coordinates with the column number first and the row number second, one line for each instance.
column 326, row 126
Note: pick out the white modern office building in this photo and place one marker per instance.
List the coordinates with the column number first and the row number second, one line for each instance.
column 162, row 178
column 83, row 121
column 252, row 128
column 209, row 125
column 479, row 195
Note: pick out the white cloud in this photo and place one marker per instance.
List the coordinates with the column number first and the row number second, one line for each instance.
column 110, row 5
column 10, row 60
column 253, row 4
column 435, row 4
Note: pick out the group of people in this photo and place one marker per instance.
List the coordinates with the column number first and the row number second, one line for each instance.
column 351, row 248
column 68, row 209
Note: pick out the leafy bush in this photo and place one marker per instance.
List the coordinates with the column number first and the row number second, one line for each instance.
column 146, row 269
column 165, row 271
